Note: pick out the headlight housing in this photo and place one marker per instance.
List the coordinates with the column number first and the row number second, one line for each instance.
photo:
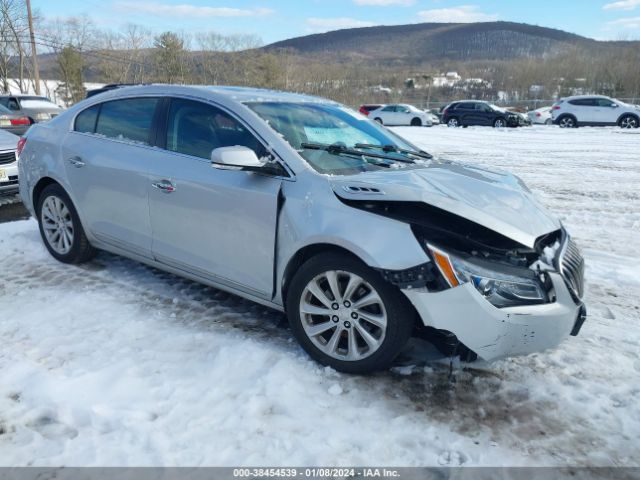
column 498, row 286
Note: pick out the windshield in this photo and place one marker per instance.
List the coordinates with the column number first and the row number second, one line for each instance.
column 302, row 124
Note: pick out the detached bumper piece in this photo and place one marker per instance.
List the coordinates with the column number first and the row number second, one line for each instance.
column 582, row 316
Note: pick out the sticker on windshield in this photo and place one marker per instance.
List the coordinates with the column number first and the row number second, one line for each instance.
column 329, row 136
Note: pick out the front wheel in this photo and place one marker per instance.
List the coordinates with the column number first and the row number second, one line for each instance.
column 629, row 121
column 500, row 123
column 346, row 316
column 416, row 122
column 60, row 227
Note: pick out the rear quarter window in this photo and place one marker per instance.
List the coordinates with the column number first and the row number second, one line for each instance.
column 86, row 120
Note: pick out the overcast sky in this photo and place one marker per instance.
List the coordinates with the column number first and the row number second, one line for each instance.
column 276, row 20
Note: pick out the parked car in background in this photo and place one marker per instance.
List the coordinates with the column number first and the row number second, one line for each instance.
column 401, row 114
column 8, row 162
column 36, row 108
column 299, row 204
column 366, row 109
column 435, row 119
column 523, row 118
column 594, row 110
column 13, row 122
column 468, row 113
column 541, row 116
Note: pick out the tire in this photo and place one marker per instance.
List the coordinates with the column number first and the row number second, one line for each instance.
column 57, row 215
column 379, row 120
column 378, row 330
column 499, row 123
column 567, row 122
column 416, row 122
column 453, row 122
column 629, row 121
column 548, row 122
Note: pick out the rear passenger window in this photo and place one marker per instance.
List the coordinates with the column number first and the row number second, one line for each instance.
column 584, row 102
column 129, row 119
column 196, row 129
column 86, row 120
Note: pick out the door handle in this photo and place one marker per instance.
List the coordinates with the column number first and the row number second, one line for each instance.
column 77, row 162
column 164, row 186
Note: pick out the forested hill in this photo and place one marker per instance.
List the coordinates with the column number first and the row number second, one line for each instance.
column 426, row 42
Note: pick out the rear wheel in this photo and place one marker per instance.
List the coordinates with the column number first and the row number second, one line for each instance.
column 60, row 227
column 346, row 316
column 548, row 122
column 567, row 122
column 629, row 121
column 416, row 122
column 453, row 122
column 379, row 120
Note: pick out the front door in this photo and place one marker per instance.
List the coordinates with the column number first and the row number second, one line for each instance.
column 218, row 224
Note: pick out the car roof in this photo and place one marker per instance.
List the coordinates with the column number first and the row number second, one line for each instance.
column 237, row 94
column 577, row 97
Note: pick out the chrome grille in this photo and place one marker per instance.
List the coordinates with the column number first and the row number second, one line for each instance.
column 7, row 157
column 571, row 266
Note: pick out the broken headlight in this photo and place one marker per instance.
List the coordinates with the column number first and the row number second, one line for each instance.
column 502, row 287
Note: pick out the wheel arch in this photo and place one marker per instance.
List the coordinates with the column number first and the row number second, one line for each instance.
column 627, row 114
column 567, row 115
column 304, row 254
column 40, row 185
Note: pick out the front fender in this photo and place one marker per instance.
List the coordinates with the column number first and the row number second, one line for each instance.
column 311, row 214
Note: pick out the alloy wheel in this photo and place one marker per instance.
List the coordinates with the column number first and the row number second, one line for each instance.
column 57, row 225
column 499, row 123
column 629, row 122
column 452, row 122
column 567, row 122
column 343, row 315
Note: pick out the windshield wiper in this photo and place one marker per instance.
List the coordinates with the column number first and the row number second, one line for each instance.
column 394, row 149
column 338, row 149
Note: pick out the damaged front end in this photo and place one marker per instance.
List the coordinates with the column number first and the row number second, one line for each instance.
column 484, row 293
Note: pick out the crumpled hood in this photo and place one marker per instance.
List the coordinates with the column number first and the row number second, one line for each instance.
column 497, row 200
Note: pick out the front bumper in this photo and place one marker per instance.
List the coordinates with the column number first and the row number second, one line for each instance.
column 494, row 333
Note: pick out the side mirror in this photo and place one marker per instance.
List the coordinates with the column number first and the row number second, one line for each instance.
column 236, row 158
column 614, row 105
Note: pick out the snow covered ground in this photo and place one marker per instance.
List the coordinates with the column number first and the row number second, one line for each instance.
column 114, row 363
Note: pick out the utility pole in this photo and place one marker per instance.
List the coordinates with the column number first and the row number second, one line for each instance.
column 34, row 54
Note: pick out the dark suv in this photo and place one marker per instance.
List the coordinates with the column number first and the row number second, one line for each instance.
column 472, row 112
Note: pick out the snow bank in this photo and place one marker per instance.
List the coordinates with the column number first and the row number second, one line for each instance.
column 113, row 363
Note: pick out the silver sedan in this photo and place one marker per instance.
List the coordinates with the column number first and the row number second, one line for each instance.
column 305, row 206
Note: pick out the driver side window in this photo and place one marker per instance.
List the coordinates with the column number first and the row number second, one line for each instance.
column 196, row 128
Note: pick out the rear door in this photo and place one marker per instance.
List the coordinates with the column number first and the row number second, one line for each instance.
column 466, row 112
column 586, row 110
column 217, row 224
column 106, row 160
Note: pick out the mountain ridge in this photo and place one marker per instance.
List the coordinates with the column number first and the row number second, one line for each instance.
column 423, row 42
